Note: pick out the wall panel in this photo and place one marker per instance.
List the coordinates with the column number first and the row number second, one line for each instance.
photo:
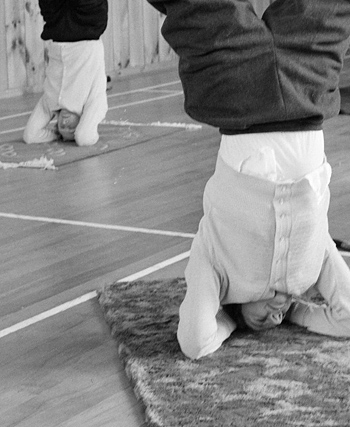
column 3, row 53
column 132, row 41
column 15, row 44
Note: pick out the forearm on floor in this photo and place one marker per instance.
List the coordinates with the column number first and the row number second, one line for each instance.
column 320, row 319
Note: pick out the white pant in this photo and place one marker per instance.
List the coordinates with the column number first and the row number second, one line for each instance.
column 258, row 237
column 75, row 81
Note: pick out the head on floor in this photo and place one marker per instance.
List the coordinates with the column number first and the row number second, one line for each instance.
column 67, row 122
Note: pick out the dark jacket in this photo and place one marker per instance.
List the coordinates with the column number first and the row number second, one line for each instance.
column 73, row 20
column 245, row 74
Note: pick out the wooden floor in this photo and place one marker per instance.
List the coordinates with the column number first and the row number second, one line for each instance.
column 58, row 365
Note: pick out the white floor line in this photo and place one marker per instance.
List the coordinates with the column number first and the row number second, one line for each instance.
column 11, row 130
column 14, row 116
column 160, row 90
column 97, row 225
column 187, row 126
column 73, row 303
column 109, row 226
column 145, row 89
column 145, row 101
column 128, row 92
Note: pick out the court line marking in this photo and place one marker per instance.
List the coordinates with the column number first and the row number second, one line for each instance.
column 97, row 225
column 128, row 92
column 145, row 101
column 145, row 89
column 14, row 116
column 90, row 295
column 11, row 130
column 160, row 90
column 187, row 126
column 109, row 226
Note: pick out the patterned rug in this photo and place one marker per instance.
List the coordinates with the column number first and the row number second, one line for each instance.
column 112, row 137
column 281, row 377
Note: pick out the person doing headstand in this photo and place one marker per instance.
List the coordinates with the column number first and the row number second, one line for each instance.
column 263, row 243
column 75, row 80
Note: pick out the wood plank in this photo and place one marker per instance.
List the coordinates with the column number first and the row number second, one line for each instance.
column 108, row 40
column 65, row 371
column 15, row 43
column 114, row 32
column 34, row 45
column 136, row 33
column 150, row 33
column 165, row 52
column 3, row 50
column 124, row 34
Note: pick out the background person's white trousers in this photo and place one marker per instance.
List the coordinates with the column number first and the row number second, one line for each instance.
column 75, row 81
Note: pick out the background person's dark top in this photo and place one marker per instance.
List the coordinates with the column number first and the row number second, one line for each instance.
column 73, row 20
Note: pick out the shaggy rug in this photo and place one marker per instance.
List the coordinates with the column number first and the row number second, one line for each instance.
column 281, row 377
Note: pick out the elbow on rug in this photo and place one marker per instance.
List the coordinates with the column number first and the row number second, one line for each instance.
column 192, row 348
column 85, row 138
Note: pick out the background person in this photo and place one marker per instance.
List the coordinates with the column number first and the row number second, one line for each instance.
column 75, row 82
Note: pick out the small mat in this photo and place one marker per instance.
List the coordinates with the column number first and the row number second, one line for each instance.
column 281, row 377
column 112, row 137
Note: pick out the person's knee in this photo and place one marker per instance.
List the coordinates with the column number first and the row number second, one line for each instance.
column 28, row 136
column 190, row 345
column 27, row 139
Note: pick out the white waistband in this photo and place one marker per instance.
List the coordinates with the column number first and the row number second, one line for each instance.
column 276, row 156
